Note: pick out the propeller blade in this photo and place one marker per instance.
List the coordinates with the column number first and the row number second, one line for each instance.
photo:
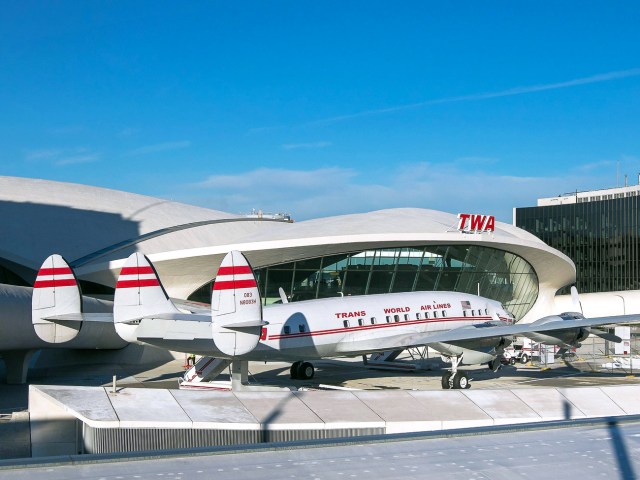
column 283, row 296
column 575, row 300
column 605, row 335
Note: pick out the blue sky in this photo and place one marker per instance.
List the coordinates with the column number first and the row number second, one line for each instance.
column 324, row 108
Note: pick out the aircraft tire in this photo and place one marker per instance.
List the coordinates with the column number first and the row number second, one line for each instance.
column 305, row 371
column 446, row 376
column 295, row 366
column 461, row 381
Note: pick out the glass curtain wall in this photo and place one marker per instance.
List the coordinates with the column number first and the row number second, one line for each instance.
column 601, row 237
column 493, row 273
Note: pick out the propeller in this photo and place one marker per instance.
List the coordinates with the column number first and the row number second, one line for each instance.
column 605, row 335
column 283, row 296
column 577, row 306
column 575, row 300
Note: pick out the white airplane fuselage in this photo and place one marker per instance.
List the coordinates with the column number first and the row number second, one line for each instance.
column 348, row 326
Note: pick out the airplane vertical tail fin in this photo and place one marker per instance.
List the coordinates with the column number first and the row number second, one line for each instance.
column 55, row 292
column 138, row 294
column 236, row 309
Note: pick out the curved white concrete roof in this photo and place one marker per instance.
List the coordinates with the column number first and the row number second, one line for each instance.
column 77, row 220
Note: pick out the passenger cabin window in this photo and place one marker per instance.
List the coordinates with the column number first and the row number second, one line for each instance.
column 396, row 318
column 444, row 313
column 346, row 323
column 464, row 313
column 360, row 322
column 426, row 315
column 473, row 313
column 373, row 320
column 435, row 314
column 486, row 312
column 406, row 317
column 418, row 316
column 287, row 330
column 388, row 319
column 301, row 328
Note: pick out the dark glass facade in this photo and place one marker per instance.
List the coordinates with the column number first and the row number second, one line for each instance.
column 497, row 274
column 601, row 237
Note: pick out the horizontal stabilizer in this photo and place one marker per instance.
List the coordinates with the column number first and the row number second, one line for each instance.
column 247, row 324
column 81, row 317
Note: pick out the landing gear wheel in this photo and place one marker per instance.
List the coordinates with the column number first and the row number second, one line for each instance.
column 461, row 380
column 446, row 377
column 512, row 361
column 305, row 371
column 524, row 358
column 294, row 370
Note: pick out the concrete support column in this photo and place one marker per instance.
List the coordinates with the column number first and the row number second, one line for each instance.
column 239, row 374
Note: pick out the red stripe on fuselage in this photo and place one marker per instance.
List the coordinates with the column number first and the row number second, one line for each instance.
column 233, row 284
column 153, row 282
column 55, row 271
column 239, row 270
column 136, row 270
column 64, row 282
column 470, row 320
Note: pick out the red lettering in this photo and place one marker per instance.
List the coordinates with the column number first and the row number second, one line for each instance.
column 463, row 220
column 362, row 313
column 477, row 222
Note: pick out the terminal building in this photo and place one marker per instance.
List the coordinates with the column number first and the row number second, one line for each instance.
column 394, row 250
column 598, row 230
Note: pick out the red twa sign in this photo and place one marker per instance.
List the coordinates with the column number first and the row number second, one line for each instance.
column 469, row 222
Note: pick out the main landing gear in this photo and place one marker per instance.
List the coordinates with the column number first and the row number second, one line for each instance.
column 302, row 371
column 458, row 379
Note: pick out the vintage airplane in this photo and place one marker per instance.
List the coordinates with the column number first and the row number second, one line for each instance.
column 465, row 329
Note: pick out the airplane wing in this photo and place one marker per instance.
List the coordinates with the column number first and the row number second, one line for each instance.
column 492, row 329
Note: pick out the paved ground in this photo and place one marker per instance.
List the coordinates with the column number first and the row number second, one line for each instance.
column 349, row 373
column 608, row 451
column 584, row 370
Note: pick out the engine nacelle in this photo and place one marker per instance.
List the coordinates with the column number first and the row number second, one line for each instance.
column 474, row 352
column 570, row 336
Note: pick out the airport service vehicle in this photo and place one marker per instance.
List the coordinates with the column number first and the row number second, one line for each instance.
column 517, row 352
column 466, row 329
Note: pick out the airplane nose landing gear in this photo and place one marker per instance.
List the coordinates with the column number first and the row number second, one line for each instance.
column 458, row 379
